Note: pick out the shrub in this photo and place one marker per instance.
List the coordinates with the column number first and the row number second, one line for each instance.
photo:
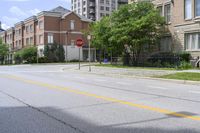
column 164, row 59
column 43, row 60
column 184, row 56
column 54, row 52
column 185, row 65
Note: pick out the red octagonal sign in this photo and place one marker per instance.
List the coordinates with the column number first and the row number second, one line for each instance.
column 79, row 42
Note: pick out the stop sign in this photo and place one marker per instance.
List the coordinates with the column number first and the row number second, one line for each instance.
column 79, row 43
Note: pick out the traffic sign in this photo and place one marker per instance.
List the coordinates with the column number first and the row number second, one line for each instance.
column 79, row 42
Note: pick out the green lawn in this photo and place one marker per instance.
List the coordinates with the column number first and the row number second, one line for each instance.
column 132, row 67
column 183, row 76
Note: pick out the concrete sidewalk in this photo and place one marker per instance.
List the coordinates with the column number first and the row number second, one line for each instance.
column 125, row 71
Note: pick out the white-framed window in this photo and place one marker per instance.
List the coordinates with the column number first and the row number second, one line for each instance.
column 197, row 8
column 27, row 29
column 72, row 24
column 50, row 38
column 160, row 10
column 41, row 40
column 188, row 9
column 31, row 28
column 167, row 13
column 192, row 41
column 27, row 41
column 72, row 43
column 31, row 40
column 41, row 25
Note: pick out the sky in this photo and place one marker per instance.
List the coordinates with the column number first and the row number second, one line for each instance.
column 13, row 11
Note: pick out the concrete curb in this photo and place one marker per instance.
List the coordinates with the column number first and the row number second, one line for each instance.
column 139, row 77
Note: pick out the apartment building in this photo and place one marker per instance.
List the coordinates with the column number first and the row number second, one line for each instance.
column 182, row 25
column 96, row 9
column 58, row 25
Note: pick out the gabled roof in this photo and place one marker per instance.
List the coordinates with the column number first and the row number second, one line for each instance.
column 81, row 17
column 60, row 9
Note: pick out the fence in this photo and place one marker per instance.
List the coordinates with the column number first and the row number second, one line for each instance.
column 169, row 62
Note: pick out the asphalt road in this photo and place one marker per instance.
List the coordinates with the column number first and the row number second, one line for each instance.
column 45, row 99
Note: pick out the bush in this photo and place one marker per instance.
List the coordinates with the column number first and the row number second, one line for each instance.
column 43, row 60
column 54, row 52
column 185, row 65
column 27, row 55
column 164, row 59
column 184, row 56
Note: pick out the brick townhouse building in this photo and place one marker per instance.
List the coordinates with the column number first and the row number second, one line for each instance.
column 182, row 23
column 57, row 25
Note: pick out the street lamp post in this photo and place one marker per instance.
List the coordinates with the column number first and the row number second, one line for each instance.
column 89, row 56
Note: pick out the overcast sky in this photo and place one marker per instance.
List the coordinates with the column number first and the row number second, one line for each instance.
column 13, row 11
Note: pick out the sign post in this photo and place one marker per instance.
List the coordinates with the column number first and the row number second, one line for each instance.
column 79, row 44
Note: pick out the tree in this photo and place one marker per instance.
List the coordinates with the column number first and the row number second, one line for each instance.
column 135, row 25
column 28, row 54
column 3, row 51
column 61, row 53
column 100, row 31
column 54, row 52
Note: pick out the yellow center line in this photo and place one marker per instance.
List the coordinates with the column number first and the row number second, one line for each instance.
column 55, row 87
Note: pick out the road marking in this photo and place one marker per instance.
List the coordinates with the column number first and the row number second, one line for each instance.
column 157, row 87
column 197, row 92
column 54, row 87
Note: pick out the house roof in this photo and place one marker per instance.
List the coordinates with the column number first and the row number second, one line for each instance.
column 81, row 17
column 60, row 9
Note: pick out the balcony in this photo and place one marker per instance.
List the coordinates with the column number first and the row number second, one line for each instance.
column 91, row 11
column 92, row 4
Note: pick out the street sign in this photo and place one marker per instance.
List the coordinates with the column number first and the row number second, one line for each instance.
column 79, row 43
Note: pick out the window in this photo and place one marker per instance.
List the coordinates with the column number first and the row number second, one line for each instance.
column 72, row 43
column 167, row 13
column 72, row 24
column 40, row 39
column 188, row 9
column 160, row 10
column 107, row 2
column 27, row 41
column 102, row 7
column 31, row 28
column 102, row 1
column 107, row 9
column 192, row 41
column 27, row 29
column 197, row 8
column 41, row 25
column 19, row 32
column 101, row 14
column 50, row 38
column 31, row 40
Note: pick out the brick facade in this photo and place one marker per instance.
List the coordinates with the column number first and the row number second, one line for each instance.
column 36, row 30
column 179, row 26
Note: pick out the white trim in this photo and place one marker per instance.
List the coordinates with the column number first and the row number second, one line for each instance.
column 64, row 32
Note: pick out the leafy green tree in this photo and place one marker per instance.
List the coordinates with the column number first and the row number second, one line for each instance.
column 61, row 53
column 3, row 51
column 28, row 54
column 54, row 52
column 46, row 50
column 100, row 32
column 135, row 25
